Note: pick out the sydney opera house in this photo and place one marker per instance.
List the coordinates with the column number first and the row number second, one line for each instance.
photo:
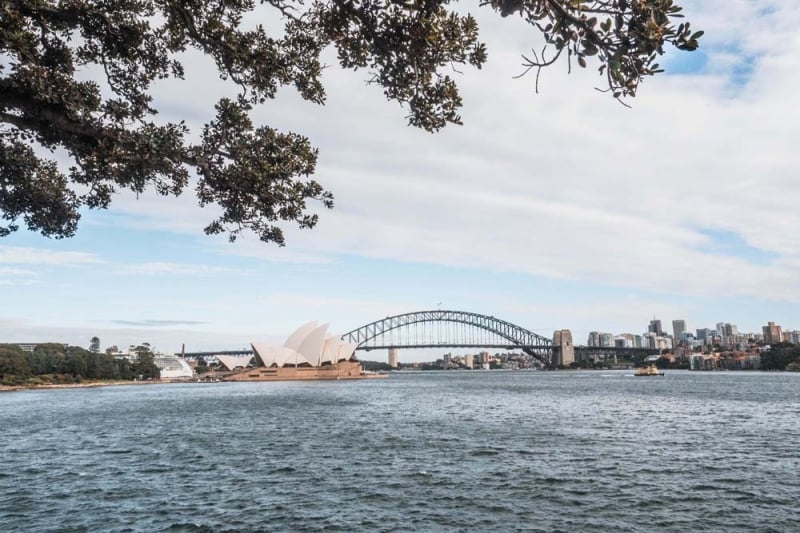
column 310, row 353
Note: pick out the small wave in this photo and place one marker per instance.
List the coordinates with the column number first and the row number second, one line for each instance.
column 183, row 526
column 483, row 453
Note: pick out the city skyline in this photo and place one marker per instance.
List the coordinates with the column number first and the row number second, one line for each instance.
column 555, row 210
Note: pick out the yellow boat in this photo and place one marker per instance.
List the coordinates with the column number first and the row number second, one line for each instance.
column 647, row 371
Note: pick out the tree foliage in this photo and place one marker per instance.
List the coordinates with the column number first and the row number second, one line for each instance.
column 13, row 366
column 145, row 366
column 780, row 356
column 258, row 176
column 55, row 363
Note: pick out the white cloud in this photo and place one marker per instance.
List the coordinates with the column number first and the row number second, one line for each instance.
column 161, row 268
column 566, row 184
column 359, row 311
column 17, row 277
column 18, row 255
column 563, row 185
column 15, row 272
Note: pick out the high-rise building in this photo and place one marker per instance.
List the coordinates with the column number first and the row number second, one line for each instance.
column 623, row 341
column 705, row 335
column 772, row 333
column 468, row 360
column 791, row 336
column 594, row 339
column 725, row 329
column 655, row 327
column 678, row 329
column 651, row 340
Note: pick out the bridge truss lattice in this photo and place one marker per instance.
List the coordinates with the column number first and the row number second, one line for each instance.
column 448, row 329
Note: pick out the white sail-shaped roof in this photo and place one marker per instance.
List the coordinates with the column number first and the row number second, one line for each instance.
column 346, row 350
column 264, row 353
column 296, row 339
column 311, row 347
column 309, row 344
column 330, row 351
column 282, row 356
column 230, row 362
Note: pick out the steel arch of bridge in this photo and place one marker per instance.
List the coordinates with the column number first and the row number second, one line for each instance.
column 516, row 336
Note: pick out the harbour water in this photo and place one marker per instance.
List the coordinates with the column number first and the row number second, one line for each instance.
column 420, row 451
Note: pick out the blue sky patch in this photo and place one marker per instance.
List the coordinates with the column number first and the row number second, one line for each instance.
column 728, row 243
column 680, row 62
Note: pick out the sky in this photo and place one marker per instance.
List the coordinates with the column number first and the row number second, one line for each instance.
column 561, row 209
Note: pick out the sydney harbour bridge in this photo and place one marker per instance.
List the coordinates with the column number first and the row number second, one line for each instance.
column 461, row 329
column 449, row 329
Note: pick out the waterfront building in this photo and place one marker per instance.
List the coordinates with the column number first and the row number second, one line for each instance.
column 469, row 361
column 791, row 336
column 446, row 360
column 703, row 362
column 623, row 341
column 232, row 363
column 310, row 345
column 772, row 333
column 172, row 367
column 484, row 360
column 309, row 353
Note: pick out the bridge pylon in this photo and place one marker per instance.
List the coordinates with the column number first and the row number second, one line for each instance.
column 563, row 349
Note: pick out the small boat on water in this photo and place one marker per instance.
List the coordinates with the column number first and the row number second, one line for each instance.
column 647, row 371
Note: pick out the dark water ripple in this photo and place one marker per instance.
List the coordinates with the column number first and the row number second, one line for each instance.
column 506, row 451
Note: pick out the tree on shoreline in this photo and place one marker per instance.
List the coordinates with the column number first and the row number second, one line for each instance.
column 781, row 356
column 145, row 366
column 258, row 176
column 13, row 366
column 55, row 363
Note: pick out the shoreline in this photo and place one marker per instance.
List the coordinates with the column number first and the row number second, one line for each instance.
column 93, row 384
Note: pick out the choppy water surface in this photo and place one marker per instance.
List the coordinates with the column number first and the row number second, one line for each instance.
column 477, row 451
